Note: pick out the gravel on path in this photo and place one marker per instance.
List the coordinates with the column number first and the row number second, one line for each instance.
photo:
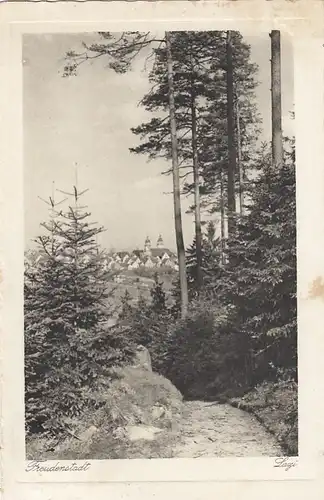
column 219, row 430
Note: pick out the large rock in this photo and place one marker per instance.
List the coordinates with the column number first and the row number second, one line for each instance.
column 142, row 358
column 142, row 432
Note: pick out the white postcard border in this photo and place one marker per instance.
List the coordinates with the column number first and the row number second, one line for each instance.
column 306, row 30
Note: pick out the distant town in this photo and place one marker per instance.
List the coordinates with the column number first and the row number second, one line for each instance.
column 149, row 258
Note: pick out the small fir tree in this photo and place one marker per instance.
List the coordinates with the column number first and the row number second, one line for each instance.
column 69, row 346
column 211, row 261
column 158, row 296
column 126, row 307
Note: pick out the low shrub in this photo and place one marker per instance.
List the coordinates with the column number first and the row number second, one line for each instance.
column 204, row 358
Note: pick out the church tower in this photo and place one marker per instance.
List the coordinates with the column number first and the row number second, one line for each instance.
column 159, row 242
column 147, row 246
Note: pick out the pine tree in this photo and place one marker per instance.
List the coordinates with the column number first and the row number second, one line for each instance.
column 189, row 75
column 126, row 307
column 214, row 148
column 261, row 280
column 211, row 262
column 199, row 61
column 189, row 80
column 176, row 180
column 69, row 346
column 42, row 340
column 158, row 296
column 232, row 153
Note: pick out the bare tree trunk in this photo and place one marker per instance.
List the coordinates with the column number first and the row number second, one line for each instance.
column 239, row 156
column 222, row 212
column 231, row 205
column 198, row 233
column 277, row 146
column 176, row 185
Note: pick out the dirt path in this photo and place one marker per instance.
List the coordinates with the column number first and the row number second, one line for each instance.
column 219, row 430
column 201, row 430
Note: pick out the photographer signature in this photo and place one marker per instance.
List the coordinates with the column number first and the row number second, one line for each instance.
column 286, row 463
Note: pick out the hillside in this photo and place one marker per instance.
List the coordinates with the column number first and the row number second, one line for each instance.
column 138, row 285
column 138, row 420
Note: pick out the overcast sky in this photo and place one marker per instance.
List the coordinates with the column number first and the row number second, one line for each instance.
column 86, row 120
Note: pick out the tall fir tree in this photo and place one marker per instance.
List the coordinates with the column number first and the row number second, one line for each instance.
column 201, row 113
column 261, row 280
column 176, row 178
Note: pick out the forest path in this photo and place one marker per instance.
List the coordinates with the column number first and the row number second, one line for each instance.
column 219, row 430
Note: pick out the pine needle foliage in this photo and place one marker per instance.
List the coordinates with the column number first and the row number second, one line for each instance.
column 261, row 280
column 69, row 346
column 211, row 261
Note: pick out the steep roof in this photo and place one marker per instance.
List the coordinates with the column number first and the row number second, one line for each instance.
column 159, row 252
column 151, row 258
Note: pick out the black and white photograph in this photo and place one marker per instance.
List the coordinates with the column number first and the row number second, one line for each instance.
column 160, row 308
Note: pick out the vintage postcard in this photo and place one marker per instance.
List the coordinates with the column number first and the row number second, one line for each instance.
column 161, row 244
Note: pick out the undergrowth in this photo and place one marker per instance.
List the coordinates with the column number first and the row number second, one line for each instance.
column 129, row 401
